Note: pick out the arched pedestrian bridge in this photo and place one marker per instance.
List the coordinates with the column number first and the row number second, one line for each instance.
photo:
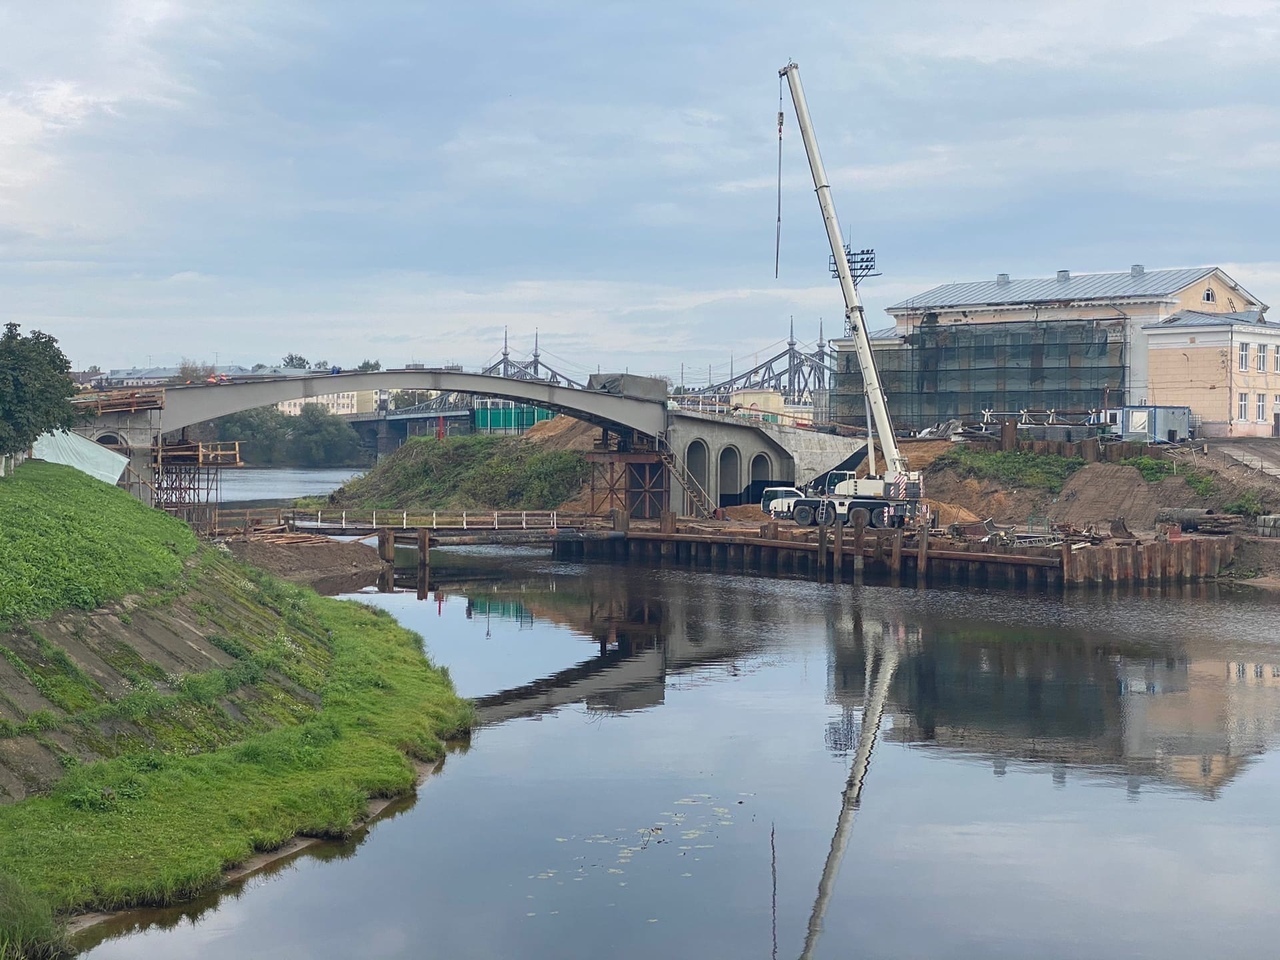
column 725, row 455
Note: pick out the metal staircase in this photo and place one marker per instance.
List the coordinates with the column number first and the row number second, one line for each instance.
column 699, row 499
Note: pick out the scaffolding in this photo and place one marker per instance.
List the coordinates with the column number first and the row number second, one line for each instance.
column 188, row 479
column 936, row 373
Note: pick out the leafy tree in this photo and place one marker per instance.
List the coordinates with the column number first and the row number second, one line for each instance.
column 370, row 366
column 314, row 438
column 320, row 365
column 259, row 366
column 320, row 438
column 35, row 389
column 295, row 361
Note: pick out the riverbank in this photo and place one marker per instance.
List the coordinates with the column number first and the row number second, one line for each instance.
column 151, row 740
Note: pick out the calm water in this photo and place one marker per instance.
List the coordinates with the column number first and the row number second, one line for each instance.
column 277, row 483
column 680, row 765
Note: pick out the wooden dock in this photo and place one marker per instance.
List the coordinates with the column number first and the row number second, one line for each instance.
column 846, row 555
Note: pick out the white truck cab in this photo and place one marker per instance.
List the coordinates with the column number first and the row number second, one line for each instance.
column 779, row 502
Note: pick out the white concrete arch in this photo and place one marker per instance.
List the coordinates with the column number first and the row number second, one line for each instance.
column 186, row 405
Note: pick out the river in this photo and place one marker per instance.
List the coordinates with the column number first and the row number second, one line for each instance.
column 681, row 764
column 280, row 483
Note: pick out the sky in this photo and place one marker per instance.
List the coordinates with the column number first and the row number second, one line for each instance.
column 235, row 181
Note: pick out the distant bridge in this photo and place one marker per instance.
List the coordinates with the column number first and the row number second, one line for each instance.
column 706, row 460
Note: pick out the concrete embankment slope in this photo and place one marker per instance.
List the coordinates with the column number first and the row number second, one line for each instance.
column 166, row 712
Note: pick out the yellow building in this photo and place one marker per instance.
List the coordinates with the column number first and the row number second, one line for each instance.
column 1224, row 366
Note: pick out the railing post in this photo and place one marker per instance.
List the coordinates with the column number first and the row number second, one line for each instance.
column 464, row 519
column 375, row 518
column 318, row 513
column 553, row 520
column 524, row 521
column 344, row 519
column 404, row 520
column 495, row 519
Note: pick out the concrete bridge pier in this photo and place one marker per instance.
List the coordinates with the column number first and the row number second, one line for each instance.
column 131, row 435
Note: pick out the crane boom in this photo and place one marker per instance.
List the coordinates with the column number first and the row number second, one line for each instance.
column 855, row 321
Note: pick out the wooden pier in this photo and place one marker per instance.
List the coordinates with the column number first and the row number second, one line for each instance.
column 846, row 555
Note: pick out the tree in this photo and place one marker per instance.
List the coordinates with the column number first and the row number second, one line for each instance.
column 295, row 361
column 259, row 366
column 369, row 366
column 193, row 371
column 35, row 389
column 320, row 365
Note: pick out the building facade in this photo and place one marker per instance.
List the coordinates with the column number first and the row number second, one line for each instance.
column 1225, row 367
column 1067, row 345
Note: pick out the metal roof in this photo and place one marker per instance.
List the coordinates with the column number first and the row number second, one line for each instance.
column 1088, row 286
column 1194, row 318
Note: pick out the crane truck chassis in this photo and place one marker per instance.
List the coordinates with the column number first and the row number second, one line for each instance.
column 896, row 497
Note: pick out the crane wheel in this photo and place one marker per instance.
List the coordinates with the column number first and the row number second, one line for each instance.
column 860, row 512
column 826, row 514
column 803, row 515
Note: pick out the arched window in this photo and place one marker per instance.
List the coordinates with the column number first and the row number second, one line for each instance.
column 1209, row 296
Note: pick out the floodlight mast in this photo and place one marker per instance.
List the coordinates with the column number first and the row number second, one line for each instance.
column 855, row 320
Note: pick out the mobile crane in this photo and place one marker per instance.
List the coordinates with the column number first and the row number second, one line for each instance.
column 895, row 497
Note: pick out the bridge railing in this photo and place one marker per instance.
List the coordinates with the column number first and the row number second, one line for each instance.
column 435, row 519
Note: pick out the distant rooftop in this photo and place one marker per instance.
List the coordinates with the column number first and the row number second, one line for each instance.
column 1194, row 318
column 1134, row 283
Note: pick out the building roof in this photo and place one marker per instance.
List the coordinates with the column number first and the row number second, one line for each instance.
column 1194, row 318
column 1130, row 284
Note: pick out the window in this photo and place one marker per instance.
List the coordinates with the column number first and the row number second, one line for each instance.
column 1262, row 408
column 1262, row 358
column 1244, row 356
column 1244, row 407
column 1208, row 296
column 1276, row 360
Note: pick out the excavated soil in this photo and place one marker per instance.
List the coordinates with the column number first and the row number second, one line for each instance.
column 330, row 567
column 563, row 433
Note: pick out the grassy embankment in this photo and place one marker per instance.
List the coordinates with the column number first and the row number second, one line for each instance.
column 318, row 706
column 1016, row 469
column 464, row 473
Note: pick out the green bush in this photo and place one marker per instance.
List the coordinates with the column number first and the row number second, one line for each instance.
column 1016, row 469
column 1248, row 504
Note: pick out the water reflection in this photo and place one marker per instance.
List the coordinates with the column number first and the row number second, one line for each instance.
column 838, row 726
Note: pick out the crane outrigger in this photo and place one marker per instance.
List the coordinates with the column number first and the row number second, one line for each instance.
column 895, row 497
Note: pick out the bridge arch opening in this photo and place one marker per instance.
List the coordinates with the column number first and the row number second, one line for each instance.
column 697, row 459
column 730, row 477
column 113, row 441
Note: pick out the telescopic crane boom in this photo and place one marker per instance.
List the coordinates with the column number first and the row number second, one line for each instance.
column 855, row 322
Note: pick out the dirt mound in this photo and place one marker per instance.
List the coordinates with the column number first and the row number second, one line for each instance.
column 748, row 511
column 330, row 567
column 563, row 433
column 1101, row 491
column 949, row 513
column 919, row 453
column 985, row 498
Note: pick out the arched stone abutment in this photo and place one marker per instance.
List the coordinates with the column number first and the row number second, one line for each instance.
column 730, row 470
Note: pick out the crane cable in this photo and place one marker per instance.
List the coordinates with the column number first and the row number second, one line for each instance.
column 777, row 238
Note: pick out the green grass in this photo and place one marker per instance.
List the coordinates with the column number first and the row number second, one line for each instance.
column 321, row 705
column 469, row 473
column 1248, row 504
column 68, row 540
column 1152, row 469
column 1201, row 483
column 1015, row 469
column 27, row 927
column 156, row 828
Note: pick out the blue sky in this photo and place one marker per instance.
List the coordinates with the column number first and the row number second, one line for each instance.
column 403, row 181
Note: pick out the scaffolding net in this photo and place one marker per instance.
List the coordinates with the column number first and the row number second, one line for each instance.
column 959, row 371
